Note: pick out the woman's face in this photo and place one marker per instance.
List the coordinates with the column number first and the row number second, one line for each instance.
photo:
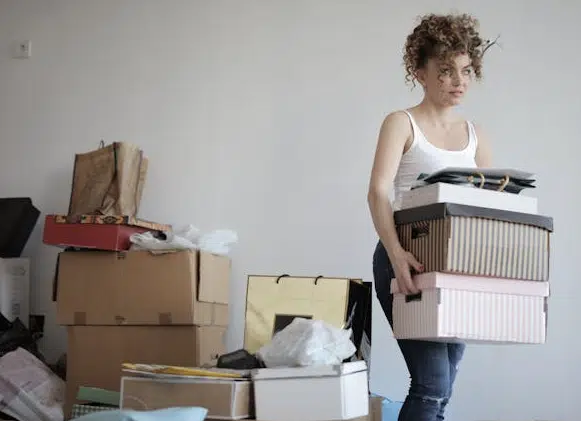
column 446, row 82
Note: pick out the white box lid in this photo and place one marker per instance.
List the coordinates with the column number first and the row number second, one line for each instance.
column 433, row 280
column 310, row 371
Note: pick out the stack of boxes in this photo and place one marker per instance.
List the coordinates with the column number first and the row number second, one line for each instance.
column 274, row 393
column 122, row 305
column 125, row 306
column 486, row 276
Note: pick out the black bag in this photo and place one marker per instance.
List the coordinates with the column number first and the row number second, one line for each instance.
column 18, row 217
column 509, row 181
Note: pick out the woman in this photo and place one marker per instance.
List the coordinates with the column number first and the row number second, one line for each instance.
column 443, row 54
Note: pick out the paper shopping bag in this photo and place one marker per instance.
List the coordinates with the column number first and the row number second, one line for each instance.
column 108, row 180
column 272, row 302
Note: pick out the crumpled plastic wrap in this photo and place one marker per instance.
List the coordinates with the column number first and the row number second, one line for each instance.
column 187, row 238
column 307, row 342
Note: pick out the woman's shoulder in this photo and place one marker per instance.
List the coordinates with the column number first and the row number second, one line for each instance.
column 398, row 120
column 396, row 129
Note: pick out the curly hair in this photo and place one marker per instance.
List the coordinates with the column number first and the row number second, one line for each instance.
column 442, row 37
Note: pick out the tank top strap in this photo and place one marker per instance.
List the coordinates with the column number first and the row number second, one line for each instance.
column 472, row 137
column 417, row 135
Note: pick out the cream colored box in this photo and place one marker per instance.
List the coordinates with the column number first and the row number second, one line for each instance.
column 452, row 308
column 225, row 399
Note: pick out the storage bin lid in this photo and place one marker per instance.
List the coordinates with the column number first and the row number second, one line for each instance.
column 444, row 210
column 431, row 280
column 310, row 371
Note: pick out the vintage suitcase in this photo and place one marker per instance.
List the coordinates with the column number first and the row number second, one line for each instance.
column 96, row 231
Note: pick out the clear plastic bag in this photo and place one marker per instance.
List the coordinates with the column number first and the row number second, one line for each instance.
column 307, row 342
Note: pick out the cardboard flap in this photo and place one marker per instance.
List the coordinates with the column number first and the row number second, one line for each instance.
column 214, row 278
column 443, row 210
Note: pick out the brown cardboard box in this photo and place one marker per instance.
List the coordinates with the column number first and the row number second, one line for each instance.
column 223, row 398
column 96, row 353
column 142, row 288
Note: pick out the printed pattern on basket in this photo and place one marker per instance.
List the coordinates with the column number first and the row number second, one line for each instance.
column 448, row 314
column 479, row 246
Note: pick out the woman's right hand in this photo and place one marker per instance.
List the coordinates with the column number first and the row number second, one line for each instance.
column 404, row 263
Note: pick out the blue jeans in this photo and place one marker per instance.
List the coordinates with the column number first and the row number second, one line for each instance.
column 432, row 365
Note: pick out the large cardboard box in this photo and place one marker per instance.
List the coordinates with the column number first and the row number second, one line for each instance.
column 226, row 399
column 452, row 308
column 95, row 353
column 473, row 240
column 142, row 288
column 272, row 302
column 313, row 393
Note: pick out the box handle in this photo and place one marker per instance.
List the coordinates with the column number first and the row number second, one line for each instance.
column 420, row 231
column 413, row 297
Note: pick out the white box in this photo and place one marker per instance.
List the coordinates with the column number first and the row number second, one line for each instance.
column 15, row 289
column 460, row 308
column 465, row 195
column 316, row 393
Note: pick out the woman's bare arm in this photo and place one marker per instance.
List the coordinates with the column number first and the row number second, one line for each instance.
column 393, row 137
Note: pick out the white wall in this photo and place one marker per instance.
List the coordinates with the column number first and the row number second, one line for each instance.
column 230, row 99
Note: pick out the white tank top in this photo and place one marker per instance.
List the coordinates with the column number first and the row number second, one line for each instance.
column 424, row 157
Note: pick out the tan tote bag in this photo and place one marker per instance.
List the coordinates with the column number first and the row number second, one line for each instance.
column 108, row 180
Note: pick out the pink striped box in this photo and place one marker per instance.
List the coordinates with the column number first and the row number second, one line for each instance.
column 460, row 308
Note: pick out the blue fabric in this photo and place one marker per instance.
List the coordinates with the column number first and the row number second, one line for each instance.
column 170, row 414
column 432, row 365
column 389, row 409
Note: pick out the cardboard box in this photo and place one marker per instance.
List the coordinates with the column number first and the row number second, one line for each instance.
column 466, row 195
column 225, row 399
column 15, row 289
column 311, row 393
column 95, row 353
column 472, row 240
column 141, row 288
column 453, row 308
column 272, row 302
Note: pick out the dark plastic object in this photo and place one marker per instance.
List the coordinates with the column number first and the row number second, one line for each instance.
column 18, row 216
column 239, row 360
column 15, row 335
